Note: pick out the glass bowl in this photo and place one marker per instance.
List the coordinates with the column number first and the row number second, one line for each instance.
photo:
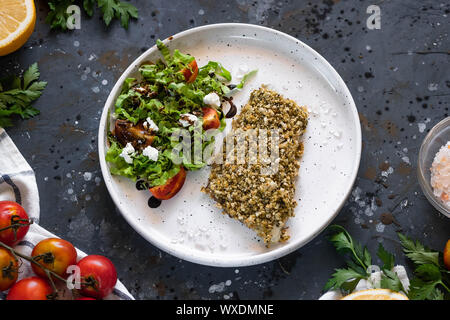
column 438, row 136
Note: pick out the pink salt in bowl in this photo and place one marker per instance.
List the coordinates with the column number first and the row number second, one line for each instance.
column 438, row 136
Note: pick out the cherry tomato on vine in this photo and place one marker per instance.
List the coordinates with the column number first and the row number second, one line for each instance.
column 14, row 223
column 33, row 288
column 54, row 254
column 98, row 276
column 9, row 267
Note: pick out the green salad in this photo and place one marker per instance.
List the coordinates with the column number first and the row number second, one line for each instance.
column 172, row 94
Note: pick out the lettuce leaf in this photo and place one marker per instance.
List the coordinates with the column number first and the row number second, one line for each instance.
column 217, row 68
column 157, row 172
column 163, row 95
column 245, row 78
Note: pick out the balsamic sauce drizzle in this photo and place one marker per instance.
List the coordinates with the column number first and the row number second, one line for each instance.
column 154, row 202
column 233, row 110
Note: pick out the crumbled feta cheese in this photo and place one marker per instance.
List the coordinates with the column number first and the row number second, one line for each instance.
column 151, row 153
column 212, row 99
column 127, row 152
column 150, row 124
column 188, row 119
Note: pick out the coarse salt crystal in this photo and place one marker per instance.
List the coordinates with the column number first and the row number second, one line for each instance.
column 422, row 127
column 440, row 174
column 87, row 176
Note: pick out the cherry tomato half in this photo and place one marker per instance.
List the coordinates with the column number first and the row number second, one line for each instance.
column 11, row 213
column 171, row 187
column 33, row 288
column 190, row 72
column 99, row 276
column 210, row 118
column 54, row 254
column 9, row 267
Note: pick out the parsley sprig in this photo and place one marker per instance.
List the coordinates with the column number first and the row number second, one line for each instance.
column 431, row 280
column 346, row 279
column 110, row 9
column 17, row 94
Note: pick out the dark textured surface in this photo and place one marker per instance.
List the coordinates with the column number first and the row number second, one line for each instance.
column 398, row 77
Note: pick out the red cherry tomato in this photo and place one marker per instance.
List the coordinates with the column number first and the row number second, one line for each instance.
column 11, row 213
column 85, row 298
column 210, row 118
column 190, row 72
column 171, row 187
column 33, row 288
column 54, row 254
column 98, row 275
column 9, row 267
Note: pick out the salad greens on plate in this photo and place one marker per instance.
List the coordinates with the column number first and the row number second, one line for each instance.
column 172, row 94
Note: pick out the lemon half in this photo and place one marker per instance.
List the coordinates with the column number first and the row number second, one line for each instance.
column 17, row 21
column 375, row 294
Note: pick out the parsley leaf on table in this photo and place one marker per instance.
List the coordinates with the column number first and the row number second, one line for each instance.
column 386, row 257
column 389, row 279
column 345, row 244
column 421, row 290
column 16, row 95
column 111, row 9
column 88, row 6
column 417, row 252
column 57, row 16
column 345, row 279
column 360, row 260
column 117, row 9
column 430, row 275
column 436, row 294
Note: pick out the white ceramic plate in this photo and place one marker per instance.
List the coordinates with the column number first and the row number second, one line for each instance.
column 189, row 225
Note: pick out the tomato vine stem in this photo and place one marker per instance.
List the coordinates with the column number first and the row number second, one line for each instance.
column 16, row 226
